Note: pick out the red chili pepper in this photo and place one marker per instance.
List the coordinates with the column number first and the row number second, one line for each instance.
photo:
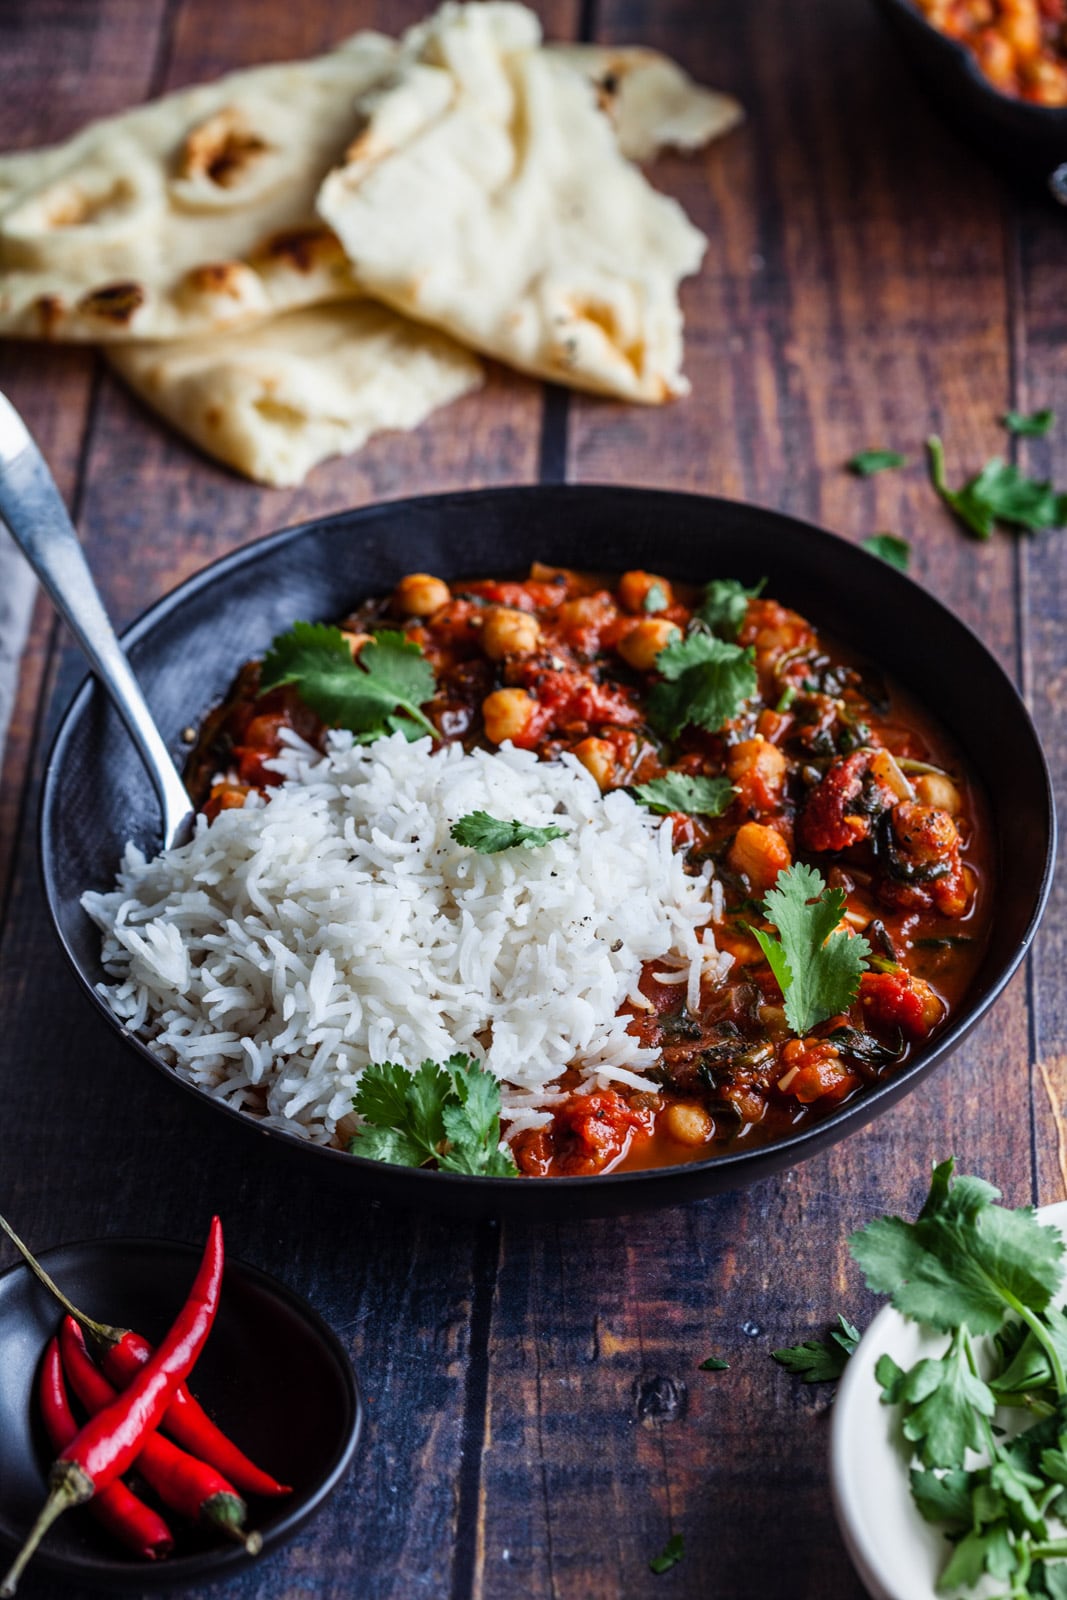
column 122, row 1354
column 180, row 1480
column 112, row 1439
column 116, row 1508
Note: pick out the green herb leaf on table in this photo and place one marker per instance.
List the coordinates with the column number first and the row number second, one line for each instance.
column 669, row 1556
column 656, row 599
column 448, row 1114
column 379, row 694
column 724, row 606
column 817, row 964
column 1000, row 492
column 1030, row 424
column 697, row 797
column 714, row 1364
column 818, row 1360
column 867, row 462
column 706, row 683
column 891, row 548
column 489, row 835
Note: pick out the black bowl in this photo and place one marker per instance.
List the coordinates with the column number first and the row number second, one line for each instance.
column 303, row 1427
column 1028, row 140
column 187, row 648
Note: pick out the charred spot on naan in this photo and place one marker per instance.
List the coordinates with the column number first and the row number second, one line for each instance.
column 301, row 249
column 221, row 150
column 113, row 302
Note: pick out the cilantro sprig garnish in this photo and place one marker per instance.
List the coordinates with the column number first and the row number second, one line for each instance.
column 724, row 606
column 446, row 1114
column 1000, row 492
column 377, row 694
column 706, row 682
column 867, row 462
column 817, row 964
column 1030, row 424
column 489, row 835
column 969, row 1267
column 697, row 797
column 890, row 547
column 820, row 1360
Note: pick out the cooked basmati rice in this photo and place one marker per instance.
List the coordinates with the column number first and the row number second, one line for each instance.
column 295, row 940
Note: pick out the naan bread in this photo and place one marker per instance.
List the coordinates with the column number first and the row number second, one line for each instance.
column 192, row 213
column 274, row 401
column 486, row 195
column 653, row 105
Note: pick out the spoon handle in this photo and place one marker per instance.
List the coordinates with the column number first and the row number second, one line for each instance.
column 34, row 513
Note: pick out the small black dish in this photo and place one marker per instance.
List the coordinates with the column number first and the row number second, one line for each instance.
column 272, row 1374
column 1027, row 140
column 187, row 649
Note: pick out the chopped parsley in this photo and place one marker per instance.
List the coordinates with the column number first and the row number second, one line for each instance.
column 489, row 835
column 669, row 1556
column 656, row 598
column 820, row 1360
column 706, row 683
column 1000, row 492
column 817, row 964
column 697, row 797
column 867, row 462
column 714, row 1364
column 379, row 694
column 725, row 605
column 891, row 548
column 1030, row 425
column 445, row 1114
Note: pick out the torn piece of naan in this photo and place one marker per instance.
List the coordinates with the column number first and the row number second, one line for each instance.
column 194, row 212
column 275, row 400
column 652, row 103
column 486, row 195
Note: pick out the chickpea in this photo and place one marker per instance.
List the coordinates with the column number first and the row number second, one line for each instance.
column 509, row 633
column 640, row 647
column 688, row 1122
column 757, row 770
column 598, row 757
column 507, row 714
column 420, row 595
column 932, row 789
column 634, row 589
column 760, row 853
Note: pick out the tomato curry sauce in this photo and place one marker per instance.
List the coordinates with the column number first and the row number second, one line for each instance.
column 829, row 766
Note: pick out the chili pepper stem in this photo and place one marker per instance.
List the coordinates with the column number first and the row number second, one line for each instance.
column 70, row 1486
column 101, row 1333
column 227, row 1513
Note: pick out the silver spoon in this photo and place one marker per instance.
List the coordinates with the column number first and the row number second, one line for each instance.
column 33, row 510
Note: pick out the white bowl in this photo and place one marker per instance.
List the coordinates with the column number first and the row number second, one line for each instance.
column 897, row 1555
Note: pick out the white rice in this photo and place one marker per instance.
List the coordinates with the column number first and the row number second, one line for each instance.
column 294, row 941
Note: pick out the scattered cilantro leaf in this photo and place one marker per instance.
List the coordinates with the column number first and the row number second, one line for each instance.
column 724, row 606
column 817, row 964
column 656, row 599
column 378, row 694
column 697, row 797
column 489, row 835
column 867, row 462
column 1030, row 424
column 1000, row 492
column 714, row 1364
column 706, row 682
column 817, row 1360
column 891, row 548
column 669, row 1556
column 448, row 1114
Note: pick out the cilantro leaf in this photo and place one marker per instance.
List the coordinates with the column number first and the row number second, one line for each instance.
column 447, row 1114
column 725, row 605
column 714, row 1364
column 891, row 548
column 944, row 1404
column 378, row 694
column 706, row 683
column 1000, row 492
column 817, row 964
column 818, row 1361
column 1030, row 425
column 943, row 1497
column 868, row 462
column 987, row 1549
column 489, row 835
column 669, row 1556
column 655, row 600
column 1030, row 1367
column 697, row 797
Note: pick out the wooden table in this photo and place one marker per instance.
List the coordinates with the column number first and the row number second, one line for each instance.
column 538, row 1424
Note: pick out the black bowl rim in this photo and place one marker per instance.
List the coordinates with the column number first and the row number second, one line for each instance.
column 1054, row 117
column 642, row 1183
column 130, row 1573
